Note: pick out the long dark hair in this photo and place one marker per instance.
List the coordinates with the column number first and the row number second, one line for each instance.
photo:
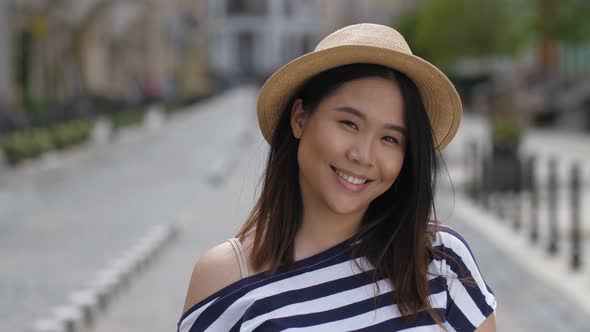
column 394, row 235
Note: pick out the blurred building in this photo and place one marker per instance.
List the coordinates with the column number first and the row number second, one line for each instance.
column 574, row 60
column 58, row 51
column 252, row 38
column 149, row 48
column 5, row 54
column 54, row 51
column 336, row 14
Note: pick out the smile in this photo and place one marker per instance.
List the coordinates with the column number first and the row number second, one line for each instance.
column 349, row 178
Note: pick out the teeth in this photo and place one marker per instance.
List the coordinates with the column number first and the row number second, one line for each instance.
column 350, row 179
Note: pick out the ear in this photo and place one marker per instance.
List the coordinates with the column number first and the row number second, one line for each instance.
column 298, row 118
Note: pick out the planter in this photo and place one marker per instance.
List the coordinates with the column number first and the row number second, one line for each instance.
column 32, row 143
column 503, row 169
column 126, row 118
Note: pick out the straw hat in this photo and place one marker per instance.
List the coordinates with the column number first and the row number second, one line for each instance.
column 364, row 43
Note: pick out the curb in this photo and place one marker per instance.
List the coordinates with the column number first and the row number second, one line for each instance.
column 220, row 168
column 83, row 306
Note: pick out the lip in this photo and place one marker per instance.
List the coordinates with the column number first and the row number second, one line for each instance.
column 351, row 186
column 350, row 173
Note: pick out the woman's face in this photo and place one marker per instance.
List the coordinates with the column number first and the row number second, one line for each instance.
column 352, row 147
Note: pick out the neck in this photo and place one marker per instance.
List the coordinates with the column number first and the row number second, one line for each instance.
column 322, row 229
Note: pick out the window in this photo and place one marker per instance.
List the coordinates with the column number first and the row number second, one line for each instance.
column 246, row 52
column 246, row 7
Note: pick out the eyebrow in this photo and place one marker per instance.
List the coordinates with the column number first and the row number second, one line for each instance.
column 359, row 114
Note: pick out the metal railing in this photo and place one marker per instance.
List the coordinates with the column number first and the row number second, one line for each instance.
column 531, row 198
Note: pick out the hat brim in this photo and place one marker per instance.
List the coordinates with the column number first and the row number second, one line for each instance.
column 438, row 94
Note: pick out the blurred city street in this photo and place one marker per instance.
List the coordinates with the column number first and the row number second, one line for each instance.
column 61, row 224
column 525, row 301
column 124, row 194
column 129, row 144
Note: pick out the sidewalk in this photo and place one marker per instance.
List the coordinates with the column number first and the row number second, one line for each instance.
column 567, row 149
column 528, row 286
column 76, row 226
column 561, row 288
column 154, row 302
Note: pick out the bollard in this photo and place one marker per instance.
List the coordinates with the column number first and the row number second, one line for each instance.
column 105, row 288
column 467, row 169
column 517, row 202
column 123, row 268
column 552, row 207
column 534, row 199
column 84, row 306
column 576, row 236
column 70, row 317
column 500, row 206
column 87, row 302
column 475, row 183
column 485, row 188
column 48, row 325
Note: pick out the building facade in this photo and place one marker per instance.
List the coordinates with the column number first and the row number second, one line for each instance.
column 56, row 51
column 253, row 38
column 5, row 54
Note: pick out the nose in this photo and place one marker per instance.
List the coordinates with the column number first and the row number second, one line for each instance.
column 361, row 152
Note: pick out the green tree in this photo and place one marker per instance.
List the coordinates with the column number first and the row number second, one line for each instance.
column 444, row 30
column 407, row 25
column 563, row 21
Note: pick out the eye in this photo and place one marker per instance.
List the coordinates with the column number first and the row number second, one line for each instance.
column 391, row 140
column 349, row 124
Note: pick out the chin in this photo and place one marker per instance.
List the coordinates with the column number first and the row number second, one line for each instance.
column 346, row 208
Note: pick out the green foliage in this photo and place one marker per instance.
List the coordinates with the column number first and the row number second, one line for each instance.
column 25, row 145
column 506, row 130
column 72, row 132
column 407, row 24
column 34, row 107
column 564, row 20
column 443, row 31
column 174, row 106
column 33, row 142
column 126, row 118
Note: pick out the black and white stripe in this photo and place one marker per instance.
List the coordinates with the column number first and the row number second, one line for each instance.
column 328, row 292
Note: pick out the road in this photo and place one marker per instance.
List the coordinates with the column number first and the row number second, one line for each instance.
column 59, row 225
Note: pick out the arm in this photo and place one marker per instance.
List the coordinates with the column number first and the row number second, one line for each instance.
column 488, row 325
column 473, row 304
column 215, row 270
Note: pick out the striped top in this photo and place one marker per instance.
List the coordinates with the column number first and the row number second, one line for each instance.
column 328, row 292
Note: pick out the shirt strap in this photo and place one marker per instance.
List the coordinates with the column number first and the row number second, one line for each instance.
column 240, row 255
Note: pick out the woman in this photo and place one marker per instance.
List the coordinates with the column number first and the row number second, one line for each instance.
column 341, row 237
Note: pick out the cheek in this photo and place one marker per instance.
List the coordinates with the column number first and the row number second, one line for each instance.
column 391, row 167
column 309, row 155
column 321, row 145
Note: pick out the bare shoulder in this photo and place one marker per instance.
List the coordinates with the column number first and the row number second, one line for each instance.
column 488, row 325
column 215, row 269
